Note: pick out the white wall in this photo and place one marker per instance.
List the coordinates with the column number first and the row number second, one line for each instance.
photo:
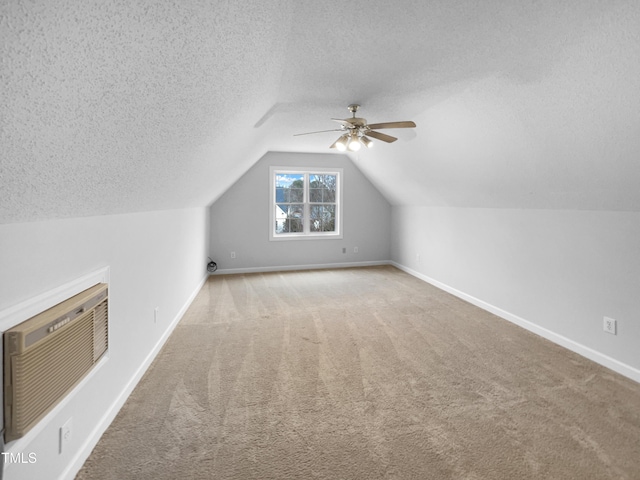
column 557, row 273
column 155, row 259
column 240, row 221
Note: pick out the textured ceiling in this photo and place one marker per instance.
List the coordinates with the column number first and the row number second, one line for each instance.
column 120, row 106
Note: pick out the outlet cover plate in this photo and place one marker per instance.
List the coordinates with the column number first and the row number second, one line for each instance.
column 65, row 434
column 609, row 325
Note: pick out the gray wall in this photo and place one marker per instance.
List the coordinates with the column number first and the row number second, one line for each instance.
column 557, row 273
column 240, row 221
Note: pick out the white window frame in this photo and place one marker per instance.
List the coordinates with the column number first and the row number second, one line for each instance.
column 306, row 234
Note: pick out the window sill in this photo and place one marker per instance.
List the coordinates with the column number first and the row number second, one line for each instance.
column 281, row 237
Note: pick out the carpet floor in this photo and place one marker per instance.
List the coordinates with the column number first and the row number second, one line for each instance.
column 365, row 373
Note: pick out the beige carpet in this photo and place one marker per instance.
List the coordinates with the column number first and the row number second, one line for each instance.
column 365, row 374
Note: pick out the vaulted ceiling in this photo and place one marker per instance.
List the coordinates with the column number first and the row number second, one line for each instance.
column 122, row 106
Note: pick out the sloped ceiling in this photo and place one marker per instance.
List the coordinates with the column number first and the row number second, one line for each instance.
column 121, row 106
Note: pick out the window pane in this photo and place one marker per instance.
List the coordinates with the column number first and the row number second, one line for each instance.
column 322, row 188
column 315, row 195
column 329, row 195
column 289, row 218
column 323, row 218
column 286, row 180
column 289, row 188
column 296, row 195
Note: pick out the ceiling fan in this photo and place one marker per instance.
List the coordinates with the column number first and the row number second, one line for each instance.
column 356, row 131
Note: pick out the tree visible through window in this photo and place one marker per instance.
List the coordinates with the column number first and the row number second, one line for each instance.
column 305, row 203
column 289, row 203
column 322, row 203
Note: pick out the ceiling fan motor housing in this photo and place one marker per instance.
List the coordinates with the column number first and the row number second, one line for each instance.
column 357, row 122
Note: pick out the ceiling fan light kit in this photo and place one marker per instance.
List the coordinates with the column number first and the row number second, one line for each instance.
column 366, row 142
column 354, row 144
column 357, row 131
column 341, row 143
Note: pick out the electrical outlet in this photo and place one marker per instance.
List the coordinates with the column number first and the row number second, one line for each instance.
column 609, row 325
column 344, row 250
column 417, row 258
column 65, row 434
column 155, row 314
column 233, row 254
column 355, row 249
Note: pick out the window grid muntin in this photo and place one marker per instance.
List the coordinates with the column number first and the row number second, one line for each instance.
column 308, row 230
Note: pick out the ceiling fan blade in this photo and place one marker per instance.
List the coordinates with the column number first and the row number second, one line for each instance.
column 345, row 123
column 381, row 136
column 319, row 131
column 407, row 124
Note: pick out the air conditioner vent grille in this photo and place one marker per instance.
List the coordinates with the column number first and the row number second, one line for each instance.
column 100, row 331
column 41, row 380
column 37, row 375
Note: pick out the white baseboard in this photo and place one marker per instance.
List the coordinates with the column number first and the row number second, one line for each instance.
column 230, row 271
column 600, row 358
column 83, row 453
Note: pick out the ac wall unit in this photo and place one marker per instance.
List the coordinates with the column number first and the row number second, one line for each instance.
column 47, row 355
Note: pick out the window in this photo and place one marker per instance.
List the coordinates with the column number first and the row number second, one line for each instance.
column 305, row 203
